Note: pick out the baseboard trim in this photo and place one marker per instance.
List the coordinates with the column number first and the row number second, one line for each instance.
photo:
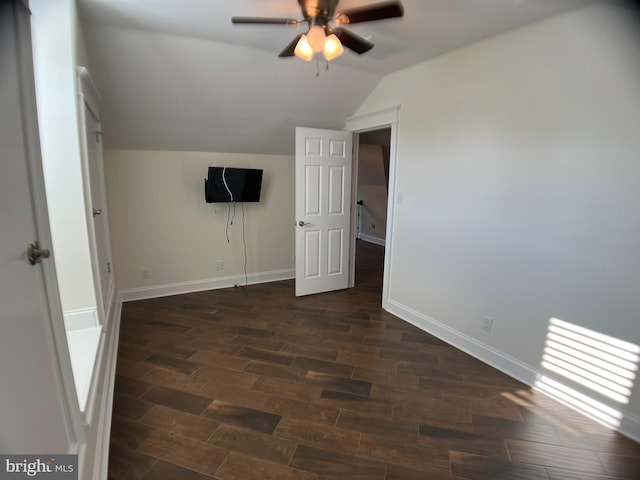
column 101, row 464
column 372, row 239
column 485, row 353
column 629, row 426
column 166, row 290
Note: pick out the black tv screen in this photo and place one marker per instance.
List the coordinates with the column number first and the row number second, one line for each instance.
column 224, row 184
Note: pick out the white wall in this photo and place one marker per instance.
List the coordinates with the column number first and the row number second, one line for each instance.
column 54, row 47
column 518, row 166
column 160, row 221
column 81, row 53
column 372, row 190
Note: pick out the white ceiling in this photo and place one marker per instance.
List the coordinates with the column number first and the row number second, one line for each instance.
column 177, row 75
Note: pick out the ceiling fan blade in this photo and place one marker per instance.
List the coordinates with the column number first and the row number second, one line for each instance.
column 379, row 11
column 352, row 41
column 290, row 49
column 263, row 21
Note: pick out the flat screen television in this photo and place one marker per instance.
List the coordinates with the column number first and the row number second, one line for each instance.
column 224, row 184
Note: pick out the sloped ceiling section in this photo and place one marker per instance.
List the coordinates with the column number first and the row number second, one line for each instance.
column 169, row 92
column 178, row 76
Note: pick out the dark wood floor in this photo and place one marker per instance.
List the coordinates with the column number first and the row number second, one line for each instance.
column 253, row 383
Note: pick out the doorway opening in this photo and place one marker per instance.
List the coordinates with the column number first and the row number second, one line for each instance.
column 360, row 125
column 372, row 194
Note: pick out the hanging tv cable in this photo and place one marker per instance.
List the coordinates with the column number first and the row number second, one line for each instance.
column 244, row 241
column 224, row 180
column 228, row 215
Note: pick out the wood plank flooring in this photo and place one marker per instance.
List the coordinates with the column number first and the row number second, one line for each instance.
column 252, row 383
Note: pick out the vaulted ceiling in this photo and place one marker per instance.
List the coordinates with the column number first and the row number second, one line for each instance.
column 177, row 75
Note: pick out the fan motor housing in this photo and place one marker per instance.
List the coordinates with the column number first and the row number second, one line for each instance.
column 318, row 9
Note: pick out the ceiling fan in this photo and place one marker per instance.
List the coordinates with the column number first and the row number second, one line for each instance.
column 325, row 33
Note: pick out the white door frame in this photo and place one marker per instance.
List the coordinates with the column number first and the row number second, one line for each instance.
column 89, row 98
column 388, row 118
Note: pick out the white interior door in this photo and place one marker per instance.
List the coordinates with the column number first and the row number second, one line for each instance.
column 98, row 204
column 33, row 409
column 323, row 209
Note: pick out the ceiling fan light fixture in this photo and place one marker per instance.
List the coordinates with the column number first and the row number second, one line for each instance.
column 332, row 48
column 316, row 38
column 303, row 49
column 323, row 34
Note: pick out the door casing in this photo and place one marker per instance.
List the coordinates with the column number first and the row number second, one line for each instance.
column 387, row 118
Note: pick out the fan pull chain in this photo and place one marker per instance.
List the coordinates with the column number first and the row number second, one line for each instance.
column 318, row 66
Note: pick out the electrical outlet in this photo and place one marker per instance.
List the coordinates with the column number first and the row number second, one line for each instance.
column 219, row 265
column 487, row 323
column 146, row 274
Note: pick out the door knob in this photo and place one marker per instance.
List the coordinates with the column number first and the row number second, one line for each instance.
column 36, row 254
column 303, row 224
column 97, row 211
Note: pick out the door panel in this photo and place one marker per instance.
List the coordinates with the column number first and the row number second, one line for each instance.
column 336, row 190
column 313, row 186
column 323, row 213
column 334, row 255
column 337, row 148
column 313, row 255
column 98, row 205
column 33, row 410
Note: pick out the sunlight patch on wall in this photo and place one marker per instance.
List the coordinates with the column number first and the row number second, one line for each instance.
column 603, row 364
